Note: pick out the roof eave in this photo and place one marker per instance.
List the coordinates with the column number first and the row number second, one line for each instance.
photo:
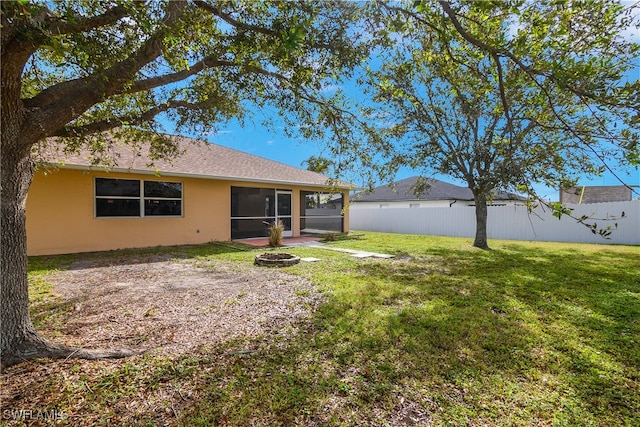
column 197, row 176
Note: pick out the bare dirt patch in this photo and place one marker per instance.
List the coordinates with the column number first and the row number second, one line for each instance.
column 175, row 306
column 173, row 309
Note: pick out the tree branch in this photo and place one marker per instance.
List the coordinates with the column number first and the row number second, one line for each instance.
column 209, row 62
column 235, row 23
column 532, row 72
column 110, row 16
column 412, row 14
column 143, row 117
column 501, row 90
column 60, row 104
column 479, row 43
column 37, row 27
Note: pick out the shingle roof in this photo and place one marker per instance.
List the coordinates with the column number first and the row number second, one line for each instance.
column 439, row 190
column 200, row 160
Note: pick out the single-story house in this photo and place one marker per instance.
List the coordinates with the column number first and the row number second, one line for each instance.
column 210, row 193
column 401, row 194
column 596, row 194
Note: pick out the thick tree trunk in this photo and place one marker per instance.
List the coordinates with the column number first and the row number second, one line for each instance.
column 24, row 123
column 481, row 221
column 16, row 326
column 19, row 340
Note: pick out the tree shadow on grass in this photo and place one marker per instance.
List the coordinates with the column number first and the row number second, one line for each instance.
column 502, row 337
column 571, row 320
column 132, row 256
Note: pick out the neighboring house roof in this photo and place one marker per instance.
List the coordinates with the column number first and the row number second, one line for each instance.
column 439, row 190
column 596, row 194
column 199, row 160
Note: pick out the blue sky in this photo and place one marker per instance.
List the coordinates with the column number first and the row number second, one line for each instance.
column 273, row 144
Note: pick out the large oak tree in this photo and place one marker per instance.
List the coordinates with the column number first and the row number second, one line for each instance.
column 448, row 119
column 504, row 95
column 534, row 106
column 76, row 69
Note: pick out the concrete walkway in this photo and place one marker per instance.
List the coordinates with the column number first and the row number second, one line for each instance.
column 354, row 253
column 312, row 242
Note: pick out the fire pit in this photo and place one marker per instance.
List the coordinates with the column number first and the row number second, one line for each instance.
column 276, row 259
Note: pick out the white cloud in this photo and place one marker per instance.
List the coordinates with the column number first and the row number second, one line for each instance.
column 330, row 88
column 216, row 132
column 632, row 33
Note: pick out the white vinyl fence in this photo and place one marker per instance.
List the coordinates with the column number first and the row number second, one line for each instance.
column 508, row 222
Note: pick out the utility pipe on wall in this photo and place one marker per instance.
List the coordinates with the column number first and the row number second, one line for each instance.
column 581, row 194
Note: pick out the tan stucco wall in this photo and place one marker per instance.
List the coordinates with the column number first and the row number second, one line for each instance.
column 61, row 218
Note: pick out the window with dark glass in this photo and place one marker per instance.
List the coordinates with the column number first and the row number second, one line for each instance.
column 136, row 198
column 162, row 198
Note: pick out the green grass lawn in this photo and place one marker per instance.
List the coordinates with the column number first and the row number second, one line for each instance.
column 444, row 334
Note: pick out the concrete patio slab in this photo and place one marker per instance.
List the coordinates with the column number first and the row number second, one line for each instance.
column 286, row 242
